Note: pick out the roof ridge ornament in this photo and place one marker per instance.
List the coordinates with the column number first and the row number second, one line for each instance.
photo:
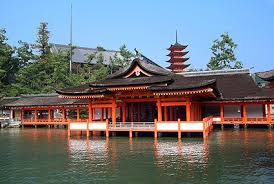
column 138, row 54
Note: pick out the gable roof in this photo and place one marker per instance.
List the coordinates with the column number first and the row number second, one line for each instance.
column 145, row 64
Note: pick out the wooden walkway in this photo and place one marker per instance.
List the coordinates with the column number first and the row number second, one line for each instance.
column 204, row 127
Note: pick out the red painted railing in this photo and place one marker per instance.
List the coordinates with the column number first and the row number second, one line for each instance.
column 207, row 125
column 45, row 121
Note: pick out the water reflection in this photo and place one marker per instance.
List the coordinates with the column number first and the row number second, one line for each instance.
column 174, row 156
column 49, row 156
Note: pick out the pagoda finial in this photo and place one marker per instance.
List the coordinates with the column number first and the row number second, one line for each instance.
column 176, row 37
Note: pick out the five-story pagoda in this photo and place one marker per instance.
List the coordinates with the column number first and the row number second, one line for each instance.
column 177, row 58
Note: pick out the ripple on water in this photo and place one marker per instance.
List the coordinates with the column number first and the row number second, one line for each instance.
column 43, row 156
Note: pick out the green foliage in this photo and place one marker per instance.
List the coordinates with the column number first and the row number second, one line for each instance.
column 24, row 53
column 42, row 41
column 223, row 54
column 24, row 71
column 99, row 48
column 120, row 60
column 9, row 64
column 45, row 75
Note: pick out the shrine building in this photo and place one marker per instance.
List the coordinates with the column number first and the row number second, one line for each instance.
column 145, row 97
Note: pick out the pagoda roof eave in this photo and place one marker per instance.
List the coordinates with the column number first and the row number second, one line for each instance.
column 177, row 46
column 177, row 53
column 182, row 66
column 171, row 60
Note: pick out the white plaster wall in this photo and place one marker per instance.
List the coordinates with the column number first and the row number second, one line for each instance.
column 97, row 126
column 254, row 110
column 167, row 126
column 232, row 111
column 78, row 126
column 192, row 126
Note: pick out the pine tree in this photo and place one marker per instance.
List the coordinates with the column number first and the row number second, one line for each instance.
column 223, row 54
column 120, row 60
column 42, row 41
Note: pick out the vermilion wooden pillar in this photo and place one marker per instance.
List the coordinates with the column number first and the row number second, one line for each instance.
column 244, row 113
column 188, row 110
column 268, row 112
column 159, row 109
column 78, row 114
column 222, row 112
column 90, row 113
column 113, row 112
column 124, row 113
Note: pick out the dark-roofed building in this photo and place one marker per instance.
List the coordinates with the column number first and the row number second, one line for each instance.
column 80, row 54
column 144, row 96
column 5, row 112
column 266, row 78
column 144, row 91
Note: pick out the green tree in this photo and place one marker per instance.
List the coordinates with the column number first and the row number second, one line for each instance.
column 9, row 64
column 223, row 54
column 42, row 41
column 24, row 53
column 45, row 75
column 121, row 59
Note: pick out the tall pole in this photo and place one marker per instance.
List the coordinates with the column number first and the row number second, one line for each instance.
column 70, row 61
column 176, row 37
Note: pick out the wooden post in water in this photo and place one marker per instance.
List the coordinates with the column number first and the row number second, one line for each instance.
column 69, row 128
column 107, row 130
column 155, row 128
column 130, row 133
column 179, row 129
column 87, row 128
column 244, row 115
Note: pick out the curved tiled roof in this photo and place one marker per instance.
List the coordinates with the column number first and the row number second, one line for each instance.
column 133, row 81
column 146, row 64
column 43, row 100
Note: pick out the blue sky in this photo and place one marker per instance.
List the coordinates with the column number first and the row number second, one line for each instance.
column 150, row 26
